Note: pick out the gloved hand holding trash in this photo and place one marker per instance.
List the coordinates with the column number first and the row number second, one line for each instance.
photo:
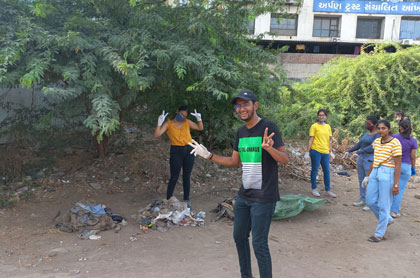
column 199, row 149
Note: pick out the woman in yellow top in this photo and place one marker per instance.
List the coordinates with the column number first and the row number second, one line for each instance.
column 382, row 178
column 178, row 131
column 319, row 151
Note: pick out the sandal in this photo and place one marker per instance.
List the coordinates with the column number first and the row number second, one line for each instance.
column 375, row 239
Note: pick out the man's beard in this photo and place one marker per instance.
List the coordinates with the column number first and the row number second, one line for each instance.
column 250, row 115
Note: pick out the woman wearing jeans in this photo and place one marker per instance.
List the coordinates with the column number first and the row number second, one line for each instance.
column 364, row 157
column 178, row 131
column 382, row 178
column 408, row 163
column 320, row 151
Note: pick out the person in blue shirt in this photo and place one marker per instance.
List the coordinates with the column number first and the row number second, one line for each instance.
column 365, row 156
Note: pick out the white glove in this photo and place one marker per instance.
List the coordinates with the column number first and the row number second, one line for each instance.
column 332, row 155
column 365, row 182
column 306, row 157
column 197, row 115
column 346, row 155
column 199, row 149
column 354, row 156
column 161, row 118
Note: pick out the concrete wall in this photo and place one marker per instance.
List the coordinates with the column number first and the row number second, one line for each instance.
column 300, row 66
column 15, row 99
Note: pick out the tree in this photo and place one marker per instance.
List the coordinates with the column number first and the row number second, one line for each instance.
column 104, row 58
column 375, row 83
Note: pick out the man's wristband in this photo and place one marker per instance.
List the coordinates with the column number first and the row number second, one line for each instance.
column 211, row 156
column 396, row 185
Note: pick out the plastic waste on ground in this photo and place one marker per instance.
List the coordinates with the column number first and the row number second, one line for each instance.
column 292, row 205
column 164, row 214
column 288, row 206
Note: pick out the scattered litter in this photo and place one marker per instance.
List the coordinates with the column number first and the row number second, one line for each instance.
column 131, row 130
column 343, row 173
column 22, row 190
column 416, row 220
column 133, row 238
column 96, row 186
column 64, row 181
column 94, row 237
column 126, row 179
column 86, row 234
column 162, row 215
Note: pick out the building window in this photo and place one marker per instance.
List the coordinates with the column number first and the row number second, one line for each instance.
column 410, row 28
column 326, row 27
column 283, row 26
column 369, row 28
column 251, row 27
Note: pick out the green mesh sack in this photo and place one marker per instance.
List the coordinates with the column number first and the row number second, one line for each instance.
column 291, row 205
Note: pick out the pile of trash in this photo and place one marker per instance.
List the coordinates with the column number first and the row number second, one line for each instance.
column 288, row 206
column 225, row 209
column 87, row 220
column 162, row 215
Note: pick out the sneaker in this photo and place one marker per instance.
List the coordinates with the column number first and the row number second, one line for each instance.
column 315, row 193
column 395, row 215
column 331, row 194
column 366, row 208
column 359, row 204
column 188, row 202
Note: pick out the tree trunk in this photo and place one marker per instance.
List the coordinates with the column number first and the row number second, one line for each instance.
column 101, row 146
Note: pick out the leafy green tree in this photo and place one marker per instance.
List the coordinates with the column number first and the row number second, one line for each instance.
column 375, row 83
column 105, row 58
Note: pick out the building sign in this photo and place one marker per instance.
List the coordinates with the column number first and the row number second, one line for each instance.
column 367, row 7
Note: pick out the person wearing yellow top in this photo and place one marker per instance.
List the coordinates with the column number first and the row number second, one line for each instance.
column 382, row 178
column 178, row 131
column 319, row 151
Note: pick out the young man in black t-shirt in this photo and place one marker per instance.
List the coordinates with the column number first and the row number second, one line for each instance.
column 258, row 147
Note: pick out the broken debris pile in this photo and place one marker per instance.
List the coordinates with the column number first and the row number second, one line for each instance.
column 164, row 214
column 225, row 209
column 89, row 219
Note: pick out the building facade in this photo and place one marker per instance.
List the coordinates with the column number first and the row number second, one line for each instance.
column 340, row 26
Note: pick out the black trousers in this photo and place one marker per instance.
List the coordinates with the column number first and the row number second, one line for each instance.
column 180, row 158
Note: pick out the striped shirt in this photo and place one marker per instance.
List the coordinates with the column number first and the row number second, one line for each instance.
column 384, row 153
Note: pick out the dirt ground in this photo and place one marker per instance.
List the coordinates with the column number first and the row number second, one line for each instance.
column 329, row 242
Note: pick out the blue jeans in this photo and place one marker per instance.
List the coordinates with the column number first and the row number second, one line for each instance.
column 323, row 159
column 255, row 217
column 379, row 196
column 363, row 165
column 402, row 183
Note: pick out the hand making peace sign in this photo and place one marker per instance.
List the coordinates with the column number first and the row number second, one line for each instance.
column 268, row 141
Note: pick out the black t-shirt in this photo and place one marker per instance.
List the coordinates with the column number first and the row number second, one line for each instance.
column 259, row 169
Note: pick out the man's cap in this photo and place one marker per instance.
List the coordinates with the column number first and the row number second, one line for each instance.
column 246, row 95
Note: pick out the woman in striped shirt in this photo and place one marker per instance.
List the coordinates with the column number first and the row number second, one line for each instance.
column 382, row 178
